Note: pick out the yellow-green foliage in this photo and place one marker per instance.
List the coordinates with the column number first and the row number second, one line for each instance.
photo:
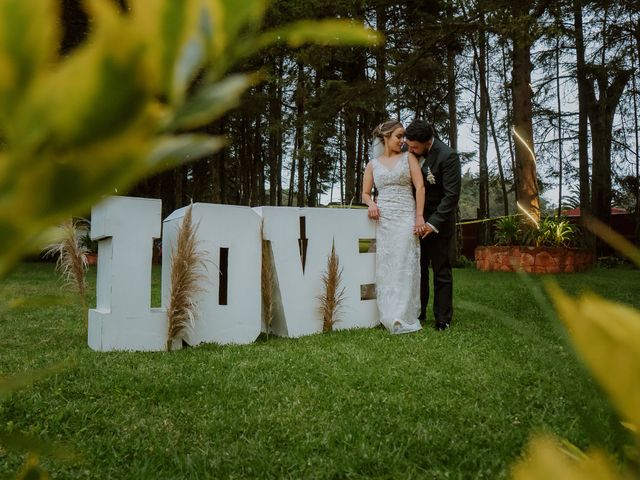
column 74, row 129
column 607, row 337
column 77, row 128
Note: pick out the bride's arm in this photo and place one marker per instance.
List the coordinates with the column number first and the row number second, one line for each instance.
column 367, row 186
column 418, row 183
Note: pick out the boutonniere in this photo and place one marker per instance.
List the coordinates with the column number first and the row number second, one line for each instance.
column 430, row 178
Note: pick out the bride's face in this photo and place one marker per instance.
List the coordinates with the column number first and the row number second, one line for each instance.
column 395, row 140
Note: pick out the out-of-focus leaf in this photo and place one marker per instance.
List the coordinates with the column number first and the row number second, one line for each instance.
column 233, row 33
column 40, row 301
column 631, row 427
column 545, row 460
column 174, row 42
column 322, row 32
column 174, row 150
column 211, row 101
column 97, row 120
column 226, row 19
column 97, row 93
column 32, row 470
column 614, row 239
column 41, row 193
column 607, row 336
column 28, row 443
column 9, row 385
column 29, row 33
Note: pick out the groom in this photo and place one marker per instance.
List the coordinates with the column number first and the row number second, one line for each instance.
column 442, row 177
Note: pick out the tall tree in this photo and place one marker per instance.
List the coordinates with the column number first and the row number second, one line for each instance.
column 523, row 33
column 583, row 134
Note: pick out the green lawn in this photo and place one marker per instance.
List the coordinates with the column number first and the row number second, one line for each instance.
column 351, row 404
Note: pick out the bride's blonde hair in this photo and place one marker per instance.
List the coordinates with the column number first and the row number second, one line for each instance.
column 385, row 129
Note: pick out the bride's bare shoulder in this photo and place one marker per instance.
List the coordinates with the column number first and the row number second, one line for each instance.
column 412, row 157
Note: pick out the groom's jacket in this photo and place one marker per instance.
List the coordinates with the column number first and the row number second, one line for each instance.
column 442, row 186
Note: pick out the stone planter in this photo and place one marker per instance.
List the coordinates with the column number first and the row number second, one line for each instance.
column 92, row 258
column 532, row 259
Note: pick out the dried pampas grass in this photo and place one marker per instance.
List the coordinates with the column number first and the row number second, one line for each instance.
column 72, row 256
column 333, row 297
column 266, row 280
column 188, row 265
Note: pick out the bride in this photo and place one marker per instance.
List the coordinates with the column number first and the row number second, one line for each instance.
column 397, row 248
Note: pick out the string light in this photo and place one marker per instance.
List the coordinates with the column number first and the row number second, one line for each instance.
column 522, row 140
column 535, row 222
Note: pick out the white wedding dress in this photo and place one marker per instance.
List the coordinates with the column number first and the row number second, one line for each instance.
column 397, row 248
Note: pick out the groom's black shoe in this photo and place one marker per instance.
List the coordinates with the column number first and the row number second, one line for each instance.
column 441, row 326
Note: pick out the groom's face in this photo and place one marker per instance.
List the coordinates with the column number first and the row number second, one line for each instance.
column 419, row 149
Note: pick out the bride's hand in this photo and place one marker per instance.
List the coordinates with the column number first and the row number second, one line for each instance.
column 421, row 227
column 374, row 212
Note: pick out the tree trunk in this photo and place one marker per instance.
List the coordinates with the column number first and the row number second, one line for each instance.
column 275, row 113
column 300, row 101
column 559, row 103
column 455, row 251
column 451, row 97
column 527, row 181
column 380, row 100
column 350, row 137
column 483, row 180
column 583, row 134
column 360, row 155
column 635, row 123
column 279, row 148
column 601, row 113
column 496, row 144
column 509, row 117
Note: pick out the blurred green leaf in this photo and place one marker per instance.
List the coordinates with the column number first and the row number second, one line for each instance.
column 546, row 460
column 174, row 43
column 8, row 385
column 101, row 118
column 226, row 20
column 97, row 93
column 607, row 336
column 212, row 100
column 29, row 34
column 614, row 239
column 184, row 148
column 38, row 301
column 32, row 470
column 28, row 443
column 322, row 32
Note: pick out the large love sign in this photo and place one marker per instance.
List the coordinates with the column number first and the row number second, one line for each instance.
column 299, row 241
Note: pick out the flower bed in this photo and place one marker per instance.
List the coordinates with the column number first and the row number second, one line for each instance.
column 532, row 259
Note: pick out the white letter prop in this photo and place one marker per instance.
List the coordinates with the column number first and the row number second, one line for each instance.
column 301, row 240
column 230, row 309
column 123, row 319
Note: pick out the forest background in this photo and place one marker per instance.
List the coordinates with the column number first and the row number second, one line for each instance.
column 539, row 97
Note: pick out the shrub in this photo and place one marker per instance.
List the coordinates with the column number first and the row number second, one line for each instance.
column 550, row 232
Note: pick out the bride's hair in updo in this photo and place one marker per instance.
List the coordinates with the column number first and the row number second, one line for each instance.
column 385, row 129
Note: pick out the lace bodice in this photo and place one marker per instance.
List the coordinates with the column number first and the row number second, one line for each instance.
column 394, row 186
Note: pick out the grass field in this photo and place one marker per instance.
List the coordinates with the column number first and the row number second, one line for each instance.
column 349, row 404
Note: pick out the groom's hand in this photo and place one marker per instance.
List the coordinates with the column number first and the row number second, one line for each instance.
column 423, row 230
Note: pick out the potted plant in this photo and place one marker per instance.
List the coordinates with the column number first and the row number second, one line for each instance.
column 91, row 247
column 551, row 246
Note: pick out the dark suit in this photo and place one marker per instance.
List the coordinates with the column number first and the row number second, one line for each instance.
column 440, row 205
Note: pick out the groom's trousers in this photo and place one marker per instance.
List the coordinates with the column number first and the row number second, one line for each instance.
column 435, row 252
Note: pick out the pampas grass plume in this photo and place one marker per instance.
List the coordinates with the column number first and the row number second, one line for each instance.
column 266, row 281
column 187, row 274
column 72, row 256
column 333, row 297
